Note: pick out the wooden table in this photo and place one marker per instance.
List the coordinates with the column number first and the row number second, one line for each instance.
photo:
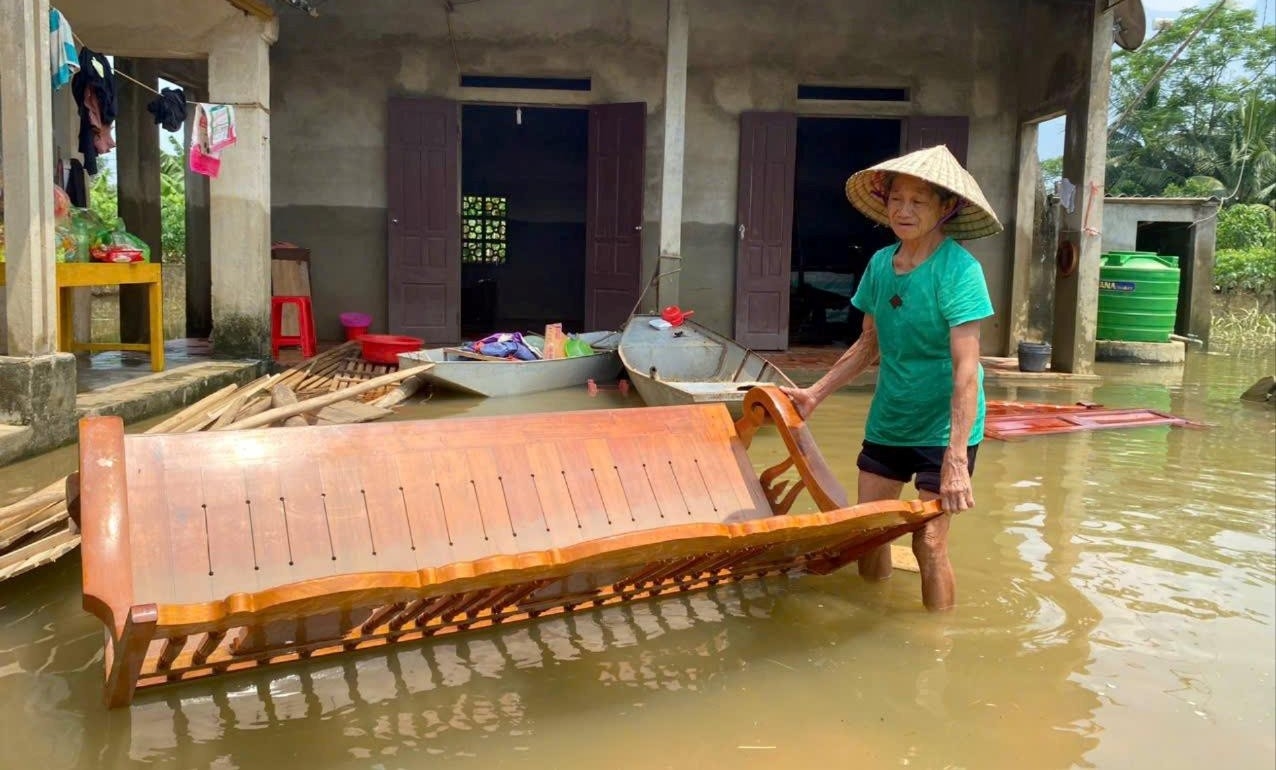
column 73, row 275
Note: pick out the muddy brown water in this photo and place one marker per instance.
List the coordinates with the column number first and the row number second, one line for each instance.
column 1116, row 597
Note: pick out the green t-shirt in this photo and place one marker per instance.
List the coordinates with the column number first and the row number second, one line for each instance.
column 912, row 405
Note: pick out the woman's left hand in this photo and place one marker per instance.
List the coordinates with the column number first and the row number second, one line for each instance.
column 955, row 492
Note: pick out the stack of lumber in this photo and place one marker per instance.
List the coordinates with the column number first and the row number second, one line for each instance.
column 339, row 369
column 36, row 530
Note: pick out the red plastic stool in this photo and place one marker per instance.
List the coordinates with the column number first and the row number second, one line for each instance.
column 305, row 325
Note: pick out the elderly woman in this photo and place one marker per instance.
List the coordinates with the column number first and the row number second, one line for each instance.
column 923, row 299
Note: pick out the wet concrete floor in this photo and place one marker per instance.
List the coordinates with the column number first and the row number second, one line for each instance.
column 1116, row 598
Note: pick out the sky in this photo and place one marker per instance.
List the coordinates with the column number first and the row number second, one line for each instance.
column 1050, row 133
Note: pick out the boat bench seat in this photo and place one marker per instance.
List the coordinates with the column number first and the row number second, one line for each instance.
column 213, row 552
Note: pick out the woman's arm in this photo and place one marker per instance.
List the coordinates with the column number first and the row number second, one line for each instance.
column 861, row 355
column 954, row 477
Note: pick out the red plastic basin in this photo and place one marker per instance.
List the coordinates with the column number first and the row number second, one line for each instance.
column 385, row 348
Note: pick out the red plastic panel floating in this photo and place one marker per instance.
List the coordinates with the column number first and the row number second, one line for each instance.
column 1010, row 420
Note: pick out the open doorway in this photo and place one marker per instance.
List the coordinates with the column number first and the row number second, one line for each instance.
column 523, row 218
column 832, row 242
column 1173, row 239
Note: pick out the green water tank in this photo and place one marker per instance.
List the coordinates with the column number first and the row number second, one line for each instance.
column 1138, row 296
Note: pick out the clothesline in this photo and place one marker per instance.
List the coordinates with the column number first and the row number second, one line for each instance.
column 125, row 75
column 135, row 81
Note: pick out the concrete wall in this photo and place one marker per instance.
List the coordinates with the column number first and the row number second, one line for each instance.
column 954, row 65
column 331, row 77
column 1051, row 55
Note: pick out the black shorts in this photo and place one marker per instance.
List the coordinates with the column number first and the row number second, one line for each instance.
column 902, row 463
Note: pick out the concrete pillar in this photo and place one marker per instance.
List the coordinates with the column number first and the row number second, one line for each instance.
column 66, row 137
column 37, row 385
column 675, row 140
column 1084, row 157
column 138, row 183
column 1025, row 221
column 31, row 288
column 199, row 282
column 1200, row 290
column 239, row 198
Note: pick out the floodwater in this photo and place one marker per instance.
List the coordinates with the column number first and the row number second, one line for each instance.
column 1116, row 598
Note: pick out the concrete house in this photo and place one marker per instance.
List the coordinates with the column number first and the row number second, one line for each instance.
column 460, row 167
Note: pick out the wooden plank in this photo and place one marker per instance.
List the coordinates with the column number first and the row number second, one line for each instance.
column 348, row 521
column 307, row 527
column 349, row 413
column 561, row 520
column 387, row 513
column 271, row 543
column 38, row 552
column 521, row 498
column 466, row 526
column 483, row 470
column 230, row 543
column 416, row 472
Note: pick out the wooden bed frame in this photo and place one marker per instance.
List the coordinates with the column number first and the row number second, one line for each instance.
column 209, row 553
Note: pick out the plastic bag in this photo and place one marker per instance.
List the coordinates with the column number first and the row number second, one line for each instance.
column 66, row 247
column 76, row 234
column 61, row 203
column 575, row 347
column 119, row 245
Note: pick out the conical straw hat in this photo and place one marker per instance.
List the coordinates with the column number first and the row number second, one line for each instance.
column 974, row 219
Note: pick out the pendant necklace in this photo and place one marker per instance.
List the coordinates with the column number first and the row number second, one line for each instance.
column 901, row 284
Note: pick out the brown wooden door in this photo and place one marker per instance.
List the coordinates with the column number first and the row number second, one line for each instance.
column 954, row 131
column 613, row 224
column 424, row 207
column 768, row 160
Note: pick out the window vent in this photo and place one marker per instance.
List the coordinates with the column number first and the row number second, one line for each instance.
column 852, row 94
column 535, row 84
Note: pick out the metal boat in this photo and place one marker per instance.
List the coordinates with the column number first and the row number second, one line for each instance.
column 689, row 364
column 461, row 370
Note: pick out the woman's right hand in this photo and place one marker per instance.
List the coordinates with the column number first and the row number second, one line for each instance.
column 803, row 399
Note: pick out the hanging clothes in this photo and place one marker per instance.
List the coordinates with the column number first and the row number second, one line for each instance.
column 213, row 132
column 169, row 108
column 63, row 62
column 94, row 90
column 76, row 189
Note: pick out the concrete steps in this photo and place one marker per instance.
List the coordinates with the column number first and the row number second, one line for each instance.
column 167, row 391
column 14, row 440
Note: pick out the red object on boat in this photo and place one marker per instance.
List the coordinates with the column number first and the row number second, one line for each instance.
column 385, row 348
column 676, row 315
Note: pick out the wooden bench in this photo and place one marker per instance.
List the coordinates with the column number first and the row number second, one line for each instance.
column 208, row 553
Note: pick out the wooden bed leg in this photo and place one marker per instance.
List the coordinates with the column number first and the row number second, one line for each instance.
column 129, row 653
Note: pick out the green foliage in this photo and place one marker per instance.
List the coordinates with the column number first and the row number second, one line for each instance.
column 102, row 197
column 1251, row 270
column 173, row 201
column 1246, row 257
column 1246, row 226
column 103, row 200
column 1208, row 127
column 1051, row 172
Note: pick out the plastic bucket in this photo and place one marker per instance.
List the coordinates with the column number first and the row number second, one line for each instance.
column 356, row 324
column 1034, row 356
